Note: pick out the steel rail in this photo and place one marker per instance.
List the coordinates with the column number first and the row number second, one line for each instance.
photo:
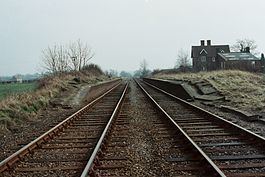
column 206, row 157
column 248, row 132
column 9, row 161
column 92, row 158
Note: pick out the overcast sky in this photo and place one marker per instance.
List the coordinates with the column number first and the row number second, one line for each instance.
column 123, row 32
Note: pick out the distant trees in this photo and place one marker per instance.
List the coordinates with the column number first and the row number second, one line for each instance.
column 125, row 74
column 111, row 73
column 137, row 74
column 242, row 44
column 61, row 58
column 143, row 68
column 183, row 60
column 143, row 71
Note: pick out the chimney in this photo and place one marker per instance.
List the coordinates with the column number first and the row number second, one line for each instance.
column 247, row 49
column 202, row 43
column 209, row 43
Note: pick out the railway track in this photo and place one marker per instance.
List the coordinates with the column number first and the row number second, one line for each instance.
column 141, row 131
column 164, row 143
column 65, row 149
column 231, row 149
column 110, row 157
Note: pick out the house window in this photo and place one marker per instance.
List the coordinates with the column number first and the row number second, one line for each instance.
column 203, row 58
column 213, row 59
column 222, row 65
column 253, row 64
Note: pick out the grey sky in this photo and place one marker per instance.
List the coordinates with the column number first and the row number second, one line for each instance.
column 122, row 32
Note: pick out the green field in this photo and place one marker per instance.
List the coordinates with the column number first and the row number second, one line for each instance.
column 9, row 89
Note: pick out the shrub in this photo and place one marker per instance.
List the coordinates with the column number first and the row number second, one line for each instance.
column 92, row 69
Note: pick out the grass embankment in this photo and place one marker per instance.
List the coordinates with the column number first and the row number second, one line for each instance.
column 14, row 88
column 245, row 90
column 18, row 108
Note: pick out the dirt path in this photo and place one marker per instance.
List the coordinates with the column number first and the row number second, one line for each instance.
column 76, row 98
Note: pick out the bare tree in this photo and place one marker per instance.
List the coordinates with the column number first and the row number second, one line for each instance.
column 55, row 59
column 79, row 54
column 143, row 69
column 242, row 44
column 75, row 56
column 50, row 59
column 183, row 59
column 62, row 57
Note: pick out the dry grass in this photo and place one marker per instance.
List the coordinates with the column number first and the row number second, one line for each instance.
column 245, row 90
column 18, row 108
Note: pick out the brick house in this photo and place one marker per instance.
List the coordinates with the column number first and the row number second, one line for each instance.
column 204, row 56
column 215, row 57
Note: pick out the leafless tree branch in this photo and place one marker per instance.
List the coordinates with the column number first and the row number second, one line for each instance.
column 60, row 58
column 241, row 45
column 183, row 59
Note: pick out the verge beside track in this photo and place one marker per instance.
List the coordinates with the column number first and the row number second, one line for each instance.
column 234, row 150
column 65, row 149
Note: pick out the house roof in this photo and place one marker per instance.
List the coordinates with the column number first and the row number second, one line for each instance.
column 211, row 50
column 238, row 56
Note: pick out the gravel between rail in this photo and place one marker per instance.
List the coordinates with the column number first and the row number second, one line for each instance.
column 143, row 149
column 150, row 145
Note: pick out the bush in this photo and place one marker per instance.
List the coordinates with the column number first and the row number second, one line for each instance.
column 92, row 69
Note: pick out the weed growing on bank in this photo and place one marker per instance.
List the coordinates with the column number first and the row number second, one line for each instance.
column 245, row 90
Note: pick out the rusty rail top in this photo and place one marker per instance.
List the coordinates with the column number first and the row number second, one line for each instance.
column 9, row 161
